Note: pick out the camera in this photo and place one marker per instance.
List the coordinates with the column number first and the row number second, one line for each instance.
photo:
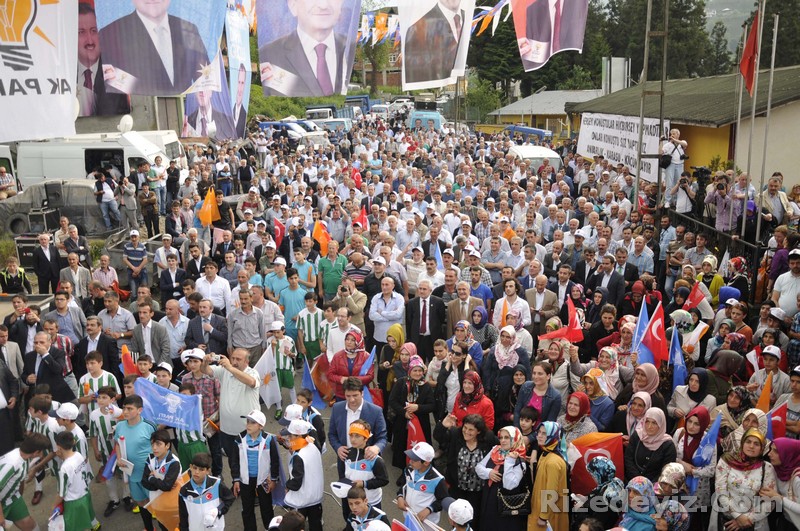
column 720, row 186
column 683, row 182
column 215, row 358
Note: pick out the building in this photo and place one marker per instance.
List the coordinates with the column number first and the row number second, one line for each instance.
column 545, row 110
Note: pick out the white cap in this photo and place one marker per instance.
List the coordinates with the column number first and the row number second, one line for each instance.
column 248, row 211
column 794, row 252
column 406, row 197
column 379, row 260
column 777, row 313
column 476, row 254
column 377, row 525
column 274, row 197
column 772, row 350
column 276, row 325
column 166, row 236
column 257, row 416
column 580, row 233
column 449, row 251
column 164, row 366
column 340, row 489
column 192, row 354
column 285, row 207
column 297, row 427
column 490, row 199
column 417, row 248
column 279, row 260
column 733, row 302
column 271, row 244
column 134, row 232
column 66, row 411
column 460, row 512
column 421, row 451
column 253, row 189
column 466, row 222
column 504, row 219
column 292, row 412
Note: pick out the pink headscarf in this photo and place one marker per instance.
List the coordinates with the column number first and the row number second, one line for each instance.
column 653, row 442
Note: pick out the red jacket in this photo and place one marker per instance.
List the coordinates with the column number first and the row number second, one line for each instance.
column 484, row 408
column 338, row 369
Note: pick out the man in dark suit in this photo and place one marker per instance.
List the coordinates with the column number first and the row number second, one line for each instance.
column 9, row 415
column 562, row 285
column 287, row 70
column 91, row 87
column 425, row 319
column 162, row 52
column 543, row 40
column 23, row 330
column 46, row 265
column 208, row 331
column 607, row 277
column 628, row 271
column 95, row 339
column 223, row 247
column 170, row 282
column 585, row 268
column 196, row 265
column 239, row 111
column 430, row 46
column 45, row 364
column 206, row 118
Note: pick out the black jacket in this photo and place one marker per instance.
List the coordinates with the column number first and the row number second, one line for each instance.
column 51, row 372
column 640, row 461
column 453, row 440
column 44, row 269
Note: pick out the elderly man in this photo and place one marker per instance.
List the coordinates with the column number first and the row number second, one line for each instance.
column 77, row 274
column 247, row 328
column 176, row 324
column 105, row 274
column 386, row 308
column 78, row 245
column 118, row 323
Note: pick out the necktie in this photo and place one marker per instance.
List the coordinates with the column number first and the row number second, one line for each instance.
column 323, row 75
column 557, row 28
column 203, row 126
column 620, row 270
column 457, row 22
column 205, row 334
column 464, row 310
column 87, row 79
column 165, row 47
column 423, row 325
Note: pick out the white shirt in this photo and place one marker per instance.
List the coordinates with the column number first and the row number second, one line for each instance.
column 161, row 36
column 92, row 343
column 146, row 331
column 450, row 16
column 353, row 416
column 218, row 291
column 309, row 43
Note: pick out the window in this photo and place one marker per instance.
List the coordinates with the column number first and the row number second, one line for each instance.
column 392, row 58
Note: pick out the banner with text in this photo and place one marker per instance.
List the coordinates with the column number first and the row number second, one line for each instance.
column 162, row 406
column 616, row 138
column 38, row 61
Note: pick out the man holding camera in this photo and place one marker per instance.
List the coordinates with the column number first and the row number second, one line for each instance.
column 720, row 196
column 352, row 299
column 684, row 193
column 676, row 148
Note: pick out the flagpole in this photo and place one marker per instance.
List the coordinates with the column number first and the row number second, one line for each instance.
column 766, row 125
column 760, row 13
column 740, row 84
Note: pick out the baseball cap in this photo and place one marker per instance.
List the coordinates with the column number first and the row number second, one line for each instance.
column 421, row 451
column 248, row 211
column 648, row 227
column 476, row 254
column 66, row 411
column 297, row 427
column 357, row 223
column 274, row 197
column 417, row 248
column 504, row 220
column 292, row 412
column 272, row 245
column 772, row 350
column 276, row 325
column 777, row 313
column 192, row 354
column 733, row 302
column 379, row 260
column 383, row 209
column 284, row 207
column 166, row 236
column 136, row 233
column 163, row 366
column 795, row 371
column 448, row 251
column 279, row 260
column 466, row 222
column 340, row 488
column 257, row 416
column 459, row 511
column 794, row 252
column 253, row 189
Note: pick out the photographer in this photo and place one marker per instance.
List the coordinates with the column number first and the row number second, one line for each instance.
column 349, row 297
column 684, row 193
column 720, row 197
column 676, row 148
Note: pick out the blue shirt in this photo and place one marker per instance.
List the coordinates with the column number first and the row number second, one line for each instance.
column 137, row 444
column 275, row 283
column 293, row 302
column 135, row 255
column 482, row 292
column 252, row 454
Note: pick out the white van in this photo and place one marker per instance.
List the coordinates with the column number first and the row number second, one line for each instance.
column 534, row 155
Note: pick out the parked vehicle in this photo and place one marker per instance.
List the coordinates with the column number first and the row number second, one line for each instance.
column 326, row 112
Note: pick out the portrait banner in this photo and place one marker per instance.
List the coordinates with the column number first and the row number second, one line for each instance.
column 545, row 28
column 162, row 406
column 306, row 48
column 434, row 39
column 207, row 113
column 616, row 138
column 37, row 69
column 237, row 35
column 158, row 47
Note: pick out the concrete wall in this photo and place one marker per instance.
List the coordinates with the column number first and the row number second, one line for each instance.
column 780, row 156
column 149, row 113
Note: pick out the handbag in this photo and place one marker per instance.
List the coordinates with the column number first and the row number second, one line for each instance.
column 664, row 161
column 517, row 501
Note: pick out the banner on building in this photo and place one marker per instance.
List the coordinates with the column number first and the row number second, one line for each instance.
column 158, row 48
column 434, row 38
column 162, row 406
column 306, row 52
column 37, row 69
column 237, row 35
column 616, row 138
column 545, row 28
column 207, row 112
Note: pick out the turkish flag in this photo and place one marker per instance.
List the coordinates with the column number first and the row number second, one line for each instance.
column 356, row 176
column 778, row 418
column 584, row 449
column 280, row 232
column 695, row 297
column 748, row 64
column 655, row 337
column 573, row 332
column 363, row 219
column 414, row 435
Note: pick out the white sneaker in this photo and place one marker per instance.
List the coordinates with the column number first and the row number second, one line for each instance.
column 666, row 205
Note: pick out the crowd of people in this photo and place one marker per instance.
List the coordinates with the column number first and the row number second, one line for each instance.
column 422, row 274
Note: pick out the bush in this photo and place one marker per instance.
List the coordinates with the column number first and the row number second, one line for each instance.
column 277, row 107
column 8, row 247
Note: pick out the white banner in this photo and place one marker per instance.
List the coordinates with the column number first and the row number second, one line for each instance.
column 616, row 138
column 38, row 61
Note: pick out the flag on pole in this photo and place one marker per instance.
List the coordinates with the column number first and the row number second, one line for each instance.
column 695, row 297
column 270, row 390
column 322, row 236
column 412, row 523
column 108, row 470
column 209, row 212
column 705, row 452
column 437, row 253
column 766, row 393
column 414, row 434
column 308, row 383
column 655, row 337
column 573, row 331
column 679, row 373
column 641, row 326
column 363, row 219
column 368, row 363
column 279, row 231
column 691, row 341
column 776, row 427
column 128, row 366
column 164, row 507
column 747, row 66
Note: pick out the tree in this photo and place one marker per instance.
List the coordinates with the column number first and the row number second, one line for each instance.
column 483, row 97
column 719, row 58
column 496, row 58
column 377, row 55
column 788, row 45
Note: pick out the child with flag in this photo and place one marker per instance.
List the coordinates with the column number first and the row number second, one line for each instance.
column 283, row 349
column 101, row 436
column 780, row 380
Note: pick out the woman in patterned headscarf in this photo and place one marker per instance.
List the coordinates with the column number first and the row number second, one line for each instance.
column 736, row 404
column 602, row 405
column 462, row 333
column 607, row 499
column 551, row 477
column 482, row 330
column 673, row 516
column 641, row 506
column 614, row 376
column 753, row 418
column 505, row 469
column 739, row 277
column 575, row 422
column 410, row 397
column 687, row 442
column 524, row 338
column 500, row 365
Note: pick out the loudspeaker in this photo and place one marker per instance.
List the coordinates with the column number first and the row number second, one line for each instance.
column 55, row 195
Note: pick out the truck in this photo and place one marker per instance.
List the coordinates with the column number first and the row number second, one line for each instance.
column 326, row 112
column 363, row 101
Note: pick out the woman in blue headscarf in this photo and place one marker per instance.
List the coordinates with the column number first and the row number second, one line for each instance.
column 482, row 330
column 641, row 505
column 551, row 476
column 462, row 333
column 607, row 499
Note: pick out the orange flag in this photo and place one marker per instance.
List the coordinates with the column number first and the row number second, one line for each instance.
column 128, row 366
column 165, row 506
column 322, row 236
column 503, row 313
column 209, row 212
column 766, row 393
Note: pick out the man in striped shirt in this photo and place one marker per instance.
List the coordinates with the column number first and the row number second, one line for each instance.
column 13, row 469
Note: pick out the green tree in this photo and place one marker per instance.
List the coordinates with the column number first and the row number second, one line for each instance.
column 496, row 58
column 719, row 58
column 377, row 56
column 483, row 97
column 579, row 79
column 788, row 45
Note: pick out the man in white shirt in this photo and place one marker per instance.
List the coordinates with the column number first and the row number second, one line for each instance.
column 214, row 288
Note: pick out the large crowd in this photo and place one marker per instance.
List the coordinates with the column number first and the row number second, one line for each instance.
column 417, row 272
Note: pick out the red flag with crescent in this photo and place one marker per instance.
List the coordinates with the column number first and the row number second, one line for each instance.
column 415, row 434
column 584, row 449
column 655, row 337
column 279, row 232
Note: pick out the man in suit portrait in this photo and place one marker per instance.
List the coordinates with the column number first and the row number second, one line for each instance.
column 607, row 277
column 312, row 60
column 78, row 275
column 431, row 43
column 208, row 331
column 45, row 364
column 95, row 339
column 150, row 337
column 543, row 38
column 91, row 87
column 425, row 317
column 543, row 303
column 239, row 111
column 628, row 271
column 162, row 53
column 46, row 264
column 206, row 120
column 461, row 308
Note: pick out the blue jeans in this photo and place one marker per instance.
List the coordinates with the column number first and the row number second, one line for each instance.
column 226, row 188
column 135, row 282
column 109, row 207
column 671, row 176
column 161, row 198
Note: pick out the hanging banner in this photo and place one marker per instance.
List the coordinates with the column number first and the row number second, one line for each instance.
column 158, row 47
column 545, row 28
column 616, row 138
column 207, row 113
column 237, row 36
column 162, row 406
column 307, row 50
column 434, row 36
column 37, row 74
column 93, row 98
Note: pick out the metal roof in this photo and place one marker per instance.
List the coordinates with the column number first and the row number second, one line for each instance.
column 707, row 101
column 548, row 102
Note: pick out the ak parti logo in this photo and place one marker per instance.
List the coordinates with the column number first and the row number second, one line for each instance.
column 17, row 18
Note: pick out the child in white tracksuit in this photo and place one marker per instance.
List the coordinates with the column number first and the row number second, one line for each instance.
column 204, row 500
column 304, row 488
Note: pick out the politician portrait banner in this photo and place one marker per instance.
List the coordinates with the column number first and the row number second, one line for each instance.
column 93, row 98
column 306, row 47
column 207, row 112
column 158, row 47
column 434, row 35
column 38, row 41
column 544, row 28
column 237, row 35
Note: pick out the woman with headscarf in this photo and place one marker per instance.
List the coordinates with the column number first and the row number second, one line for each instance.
column 551, row 325
column 641, row 505
column 672, row 516
column 506, row 413
column 472, row 399
column 410, row 397
column 482, row 330
column 614, row 376
column 557, row 354
column 695, row 393
column 401, row 366
column 348, row 362
column 723, row 372
column 678, row 299
column 606, row 326
column 671, row 481
column 602, row 405
column 498, row 369
column 576, row 421
column 627, row 417
column 753, row 418
column 608, row 498
column 539, row 394
column 599, row 299
column 739, row 277
column 505, row 471
column 740, row 475
column 736, row 405
column 649, row 448
column 524, row 338
column 465, row 447
column 645, row 378
column 687, row 440
column 448, row 384
column 718, row 341
column 578, row 300
column 390, row 354
column 632, row 303
column 551, row 477
column 462, row 334
column 622, row 341
column 710, row 278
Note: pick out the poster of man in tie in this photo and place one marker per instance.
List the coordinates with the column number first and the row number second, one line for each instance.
column 546, row 27
column 158, row 47
column 207, row 112
column 237, row 36
column 434, row 36
column 306, row 47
